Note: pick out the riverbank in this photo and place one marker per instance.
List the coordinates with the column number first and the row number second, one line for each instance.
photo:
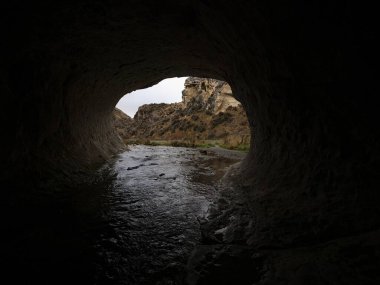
column 191, row 144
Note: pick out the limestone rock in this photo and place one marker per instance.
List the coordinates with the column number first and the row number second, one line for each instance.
column 209, row 94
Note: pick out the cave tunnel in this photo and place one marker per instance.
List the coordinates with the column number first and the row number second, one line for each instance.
column 303, row 70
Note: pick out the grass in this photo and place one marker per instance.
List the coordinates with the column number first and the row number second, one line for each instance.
column 240, row 147
column 185, row 143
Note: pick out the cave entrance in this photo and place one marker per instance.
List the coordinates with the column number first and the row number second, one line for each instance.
column 186, row 111
column 163, row 186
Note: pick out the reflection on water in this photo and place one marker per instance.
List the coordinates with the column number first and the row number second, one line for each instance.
column 136, row 225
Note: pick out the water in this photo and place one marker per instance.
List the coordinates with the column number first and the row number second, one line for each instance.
column 136, row 225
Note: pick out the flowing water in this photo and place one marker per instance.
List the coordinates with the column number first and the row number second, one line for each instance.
column 136, row 225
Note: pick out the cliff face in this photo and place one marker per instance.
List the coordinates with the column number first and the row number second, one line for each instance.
column 208, row 113
column 120, row 121
column 208, row 94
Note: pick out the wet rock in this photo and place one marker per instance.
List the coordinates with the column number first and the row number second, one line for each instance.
column 113, row 240
column 132, row 167
column 219, row 234
column 171, row 177
column 221, row 264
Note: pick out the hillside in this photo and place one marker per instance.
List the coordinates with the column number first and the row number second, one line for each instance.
column 208, row 114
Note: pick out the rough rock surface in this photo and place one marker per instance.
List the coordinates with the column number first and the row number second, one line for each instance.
column 305, row 72
column 208, row 113
column 208, row 94
column 121, row 120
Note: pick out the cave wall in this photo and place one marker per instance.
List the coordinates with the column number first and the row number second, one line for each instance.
column 304, row 71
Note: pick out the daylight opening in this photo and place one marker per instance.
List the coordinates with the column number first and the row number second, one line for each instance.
column 192, row 111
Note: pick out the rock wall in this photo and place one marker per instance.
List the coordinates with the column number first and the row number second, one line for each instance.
column 305, row 72
column 210, row 94
column 121, row 122
column 208, row 114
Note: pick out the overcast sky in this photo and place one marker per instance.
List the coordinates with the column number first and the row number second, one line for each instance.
column 167, row 91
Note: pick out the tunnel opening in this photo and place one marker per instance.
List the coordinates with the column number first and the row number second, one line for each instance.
column 152, row 200
column 186, row 181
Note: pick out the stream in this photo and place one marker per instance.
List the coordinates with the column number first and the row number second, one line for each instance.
column 137, row 224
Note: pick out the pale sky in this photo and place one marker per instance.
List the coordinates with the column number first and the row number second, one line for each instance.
column 167, row 91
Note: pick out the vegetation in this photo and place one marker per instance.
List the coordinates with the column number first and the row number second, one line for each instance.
column 188, row 143
column 208, row 116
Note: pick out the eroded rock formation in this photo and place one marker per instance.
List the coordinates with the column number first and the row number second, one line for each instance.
column 208, row 94
column 208, row 114
column 303, row 70
column 121, row 122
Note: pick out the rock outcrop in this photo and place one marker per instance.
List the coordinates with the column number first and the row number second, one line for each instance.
column 121, row 120
column 208, row 114
column 208, row 94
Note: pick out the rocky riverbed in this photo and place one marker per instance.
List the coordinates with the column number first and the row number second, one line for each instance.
column 137, row 224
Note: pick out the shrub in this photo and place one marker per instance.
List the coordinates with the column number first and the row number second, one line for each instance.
column 194, row 117
column 222, row 118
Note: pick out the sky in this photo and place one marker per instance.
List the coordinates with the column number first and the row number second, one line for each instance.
column 166, row 91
